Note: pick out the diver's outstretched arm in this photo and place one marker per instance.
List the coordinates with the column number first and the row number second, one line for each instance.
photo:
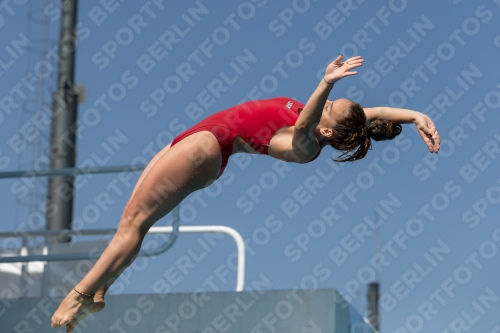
column 424, row 124
column 311, row 114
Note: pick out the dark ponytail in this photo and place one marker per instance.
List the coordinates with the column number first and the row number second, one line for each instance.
column 352, row 133
column 381, row 129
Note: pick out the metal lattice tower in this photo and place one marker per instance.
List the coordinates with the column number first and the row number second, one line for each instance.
column 37, row 102
column 30, row 210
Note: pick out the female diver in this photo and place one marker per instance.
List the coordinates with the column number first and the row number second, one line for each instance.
column 280, row 127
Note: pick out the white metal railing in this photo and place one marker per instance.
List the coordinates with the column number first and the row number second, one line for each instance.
column 173, row 230
column 240, row 244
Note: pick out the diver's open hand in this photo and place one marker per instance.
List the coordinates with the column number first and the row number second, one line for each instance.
column 428, row 132
column 339, row 69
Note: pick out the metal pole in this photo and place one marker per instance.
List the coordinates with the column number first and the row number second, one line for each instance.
column 373, row 295
column 373, row 287
column 63, row 129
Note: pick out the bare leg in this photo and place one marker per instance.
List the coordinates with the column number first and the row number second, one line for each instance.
column 148, row 168
column 99, row 303
column 190, row 165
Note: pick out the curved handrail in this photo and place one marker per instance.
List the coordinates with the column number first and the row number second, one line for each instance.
column 174, row 229
column 240, row 244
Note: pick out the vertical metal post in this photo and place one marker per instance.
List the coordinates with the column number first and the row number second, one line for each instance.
column 62, row 141
column 373, row 295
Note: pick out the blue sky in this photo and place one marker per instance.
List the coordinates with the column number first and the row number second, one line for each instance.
column 145, row 64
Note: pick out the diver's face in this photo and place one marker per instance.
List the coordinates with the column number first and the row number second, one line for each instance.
column 335, row 109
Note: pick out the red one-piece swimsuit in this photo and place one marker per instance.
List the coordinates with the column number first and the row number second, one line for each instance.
column 254, row 121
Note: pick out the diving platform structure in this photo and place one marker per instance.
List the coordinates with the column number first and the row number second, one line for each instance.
column 258, row 311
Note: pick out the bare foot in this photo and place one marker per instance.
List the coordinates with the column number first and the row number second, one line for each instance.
column 72, row 310
column 99, row 300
